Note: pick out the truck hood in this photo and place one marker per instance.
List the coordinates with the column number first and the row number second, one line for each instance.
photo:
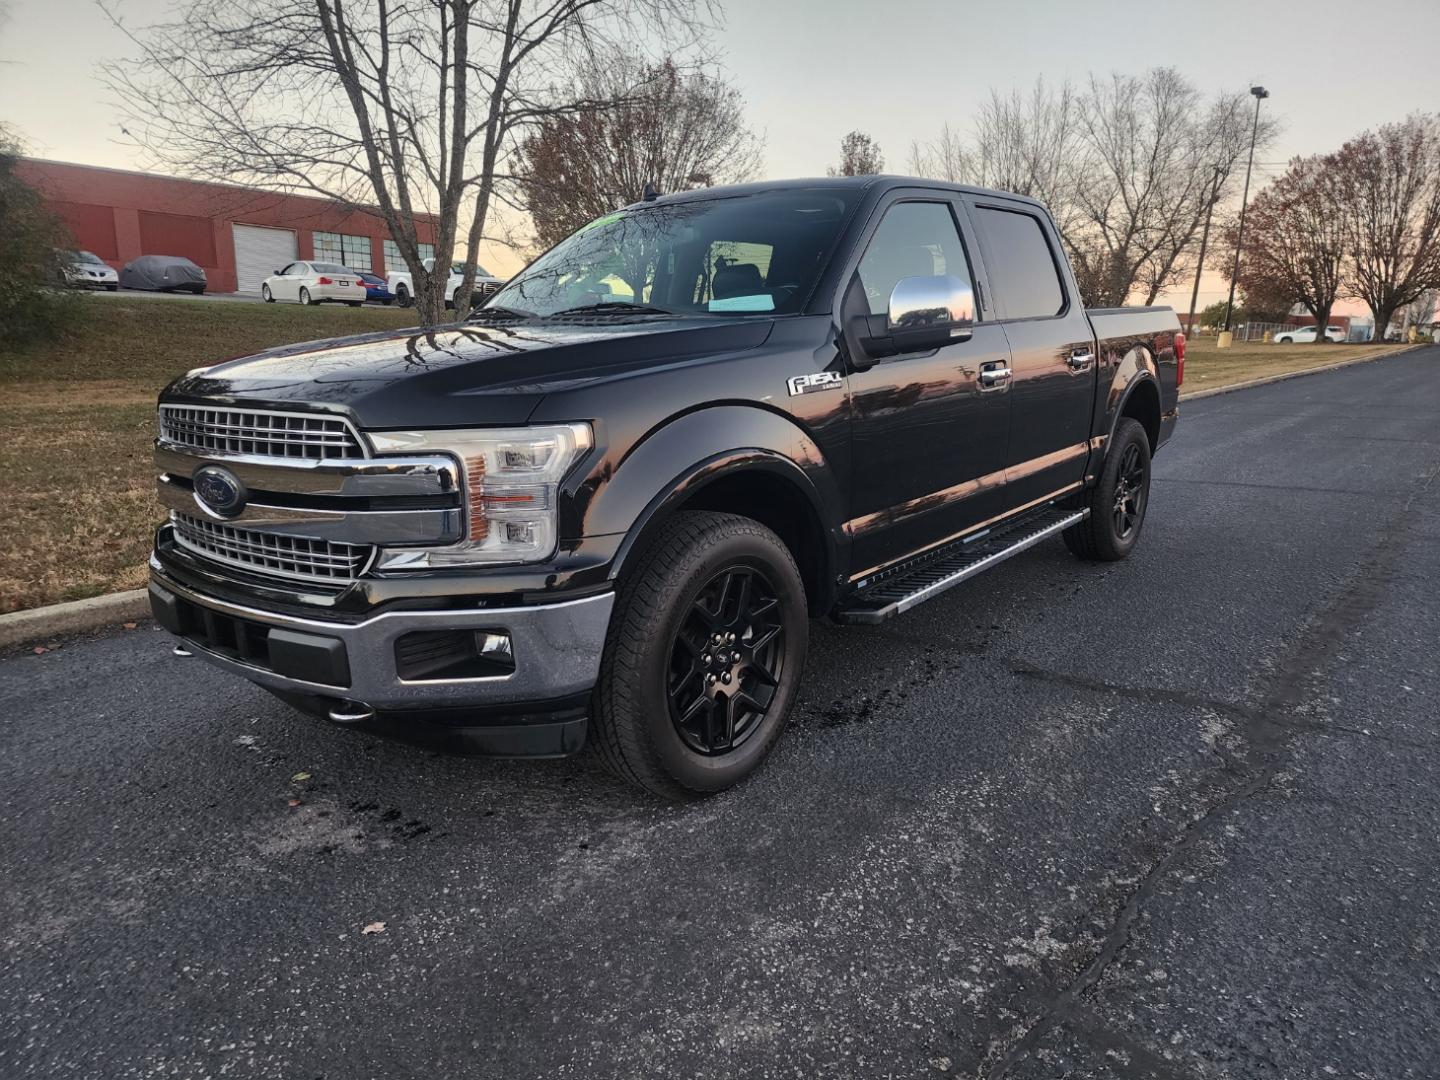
column 463, row 375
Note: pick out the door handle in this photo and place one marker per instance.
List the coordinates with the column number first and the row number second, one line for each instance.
column 1080, row 360
column 994, row 374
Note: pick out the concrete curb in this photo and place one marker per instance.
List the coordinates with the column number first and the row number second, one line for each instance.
column 1268, row 379
column 76, row 617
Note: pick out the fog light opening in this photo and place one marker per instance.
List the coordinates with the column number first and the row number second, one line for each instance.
column 496, row 647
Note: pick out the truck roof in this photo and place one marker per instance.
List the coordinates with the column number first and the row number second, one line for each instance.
column 884, row 181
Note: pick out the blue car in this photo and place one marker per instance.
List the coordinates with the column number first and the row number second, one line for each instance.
column 377, row 289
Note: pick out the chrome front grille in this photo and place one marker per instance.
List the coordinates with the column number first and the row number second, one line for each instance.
column 272, row 554
column 290, row 436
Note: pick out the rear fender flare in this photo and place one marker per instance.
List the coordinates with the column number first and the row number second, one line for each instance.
column 1136, row 367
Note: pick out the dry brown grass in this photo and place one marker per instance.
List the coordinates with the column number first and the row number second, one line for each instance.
column 1207, row 367
column 77, row 502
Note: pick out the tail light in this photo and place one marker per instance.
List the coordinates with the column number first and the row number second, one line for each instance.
column 1179, row 360
column 324, row 281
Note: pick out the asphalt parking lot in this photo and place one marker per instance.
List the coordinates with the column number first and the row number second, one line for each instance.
column 1174, row 817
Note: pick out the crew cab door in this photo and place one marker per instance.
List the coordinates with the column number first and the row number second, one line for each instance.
column 1052, row 349
column 929, row 432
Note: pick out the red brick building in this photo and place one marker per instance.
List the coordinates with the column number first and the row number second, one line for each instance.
column 239, row 235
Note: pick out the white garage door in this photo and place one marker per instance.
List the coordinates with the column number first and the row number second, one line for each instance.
column 259, row 252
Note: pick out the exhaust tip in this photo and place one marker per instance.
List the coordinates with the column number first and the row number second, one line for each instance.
column 351, row 712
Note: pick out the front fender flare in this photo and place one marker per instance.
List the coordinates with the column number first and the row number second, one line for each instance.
column 691, row 451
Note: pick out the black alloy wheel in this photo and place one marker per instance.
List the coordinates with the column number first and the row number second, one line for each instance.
column 726, row 661
column 1130, row 492
column 703, row 657
column 1118, row 501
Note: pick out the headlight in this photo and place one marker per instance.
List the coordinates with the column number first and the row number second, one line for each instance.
column 511, row 476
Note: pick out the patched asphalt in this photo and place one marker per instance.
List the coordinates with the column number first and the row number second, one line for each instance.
column 1174, row 817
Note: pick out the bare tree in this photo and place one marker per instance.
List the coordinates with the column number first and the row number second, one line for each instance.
column 1128, row 167
column 1390, row 183
column 411, row 106
column 1295, row 240
column 672, row 126
column 1030, row 144
column 859, row 156
column 946, row 157
column 1160, row 155
column 1421, row 312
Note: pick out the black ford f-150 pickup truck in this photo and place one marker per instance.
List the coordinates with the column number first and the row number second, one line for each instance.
column 606, row 506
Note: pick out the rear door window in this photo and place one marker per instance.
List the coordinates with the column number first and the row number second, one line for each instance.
column 1021, row 264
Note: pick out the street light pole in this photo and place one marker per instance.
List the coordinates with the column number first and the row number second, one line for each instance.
column 1204, row 241
column 1260, row 94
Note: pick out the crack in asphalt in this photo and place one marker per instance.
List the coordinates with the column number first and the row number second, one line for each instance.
column 1128, row 1056
column 1149, row 695
column 1267, row 733
column 1309, row 489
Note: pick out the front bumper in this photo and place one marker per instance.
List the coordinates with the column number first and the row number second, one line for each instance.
column 555, row 650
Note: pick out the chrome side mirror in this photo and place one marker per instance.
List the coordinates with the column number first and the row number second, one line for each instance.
column 942, row 302
column 926, row 313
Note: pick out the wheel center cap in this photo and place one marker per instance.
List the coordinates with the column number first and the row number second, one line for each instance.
column 723, row 662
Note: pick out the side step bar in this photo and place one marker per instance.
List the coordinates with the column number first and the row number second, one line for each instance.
column 908, row 585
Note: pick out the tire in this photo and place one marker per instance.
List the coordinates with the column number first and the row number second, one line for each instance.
column 305, row 297
column 661, row 715
column 266, row 295
column 402, row 294
column 1118, row 502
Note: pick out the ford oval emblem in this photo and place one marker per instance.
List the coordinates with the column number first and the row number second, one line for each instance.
column 220, row 491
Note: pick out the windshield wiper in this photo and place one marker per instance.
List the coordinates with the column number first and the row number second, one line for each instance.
column 613, row 307
column 501, row 313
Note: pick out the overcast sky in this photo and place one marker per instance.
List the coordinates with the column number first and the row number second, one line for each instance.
column 898, row 69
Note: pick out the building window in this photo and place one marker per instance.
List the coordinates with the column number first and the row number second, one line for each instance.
column 351, row 251
column 394, row 261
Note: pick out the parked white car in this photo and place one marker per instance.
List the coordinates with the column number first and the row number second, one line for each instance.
column 86, row 270
column 315, row 283
column 404, row 289
column 1305, row 335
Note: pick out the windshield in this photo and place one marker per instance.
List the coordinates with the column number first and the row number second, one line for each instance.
column 745, row 254
column 331, row 268
column 90, row 257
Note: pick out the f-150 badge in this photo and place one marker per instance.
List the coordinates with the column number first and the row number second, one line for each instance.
column 809, row 384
